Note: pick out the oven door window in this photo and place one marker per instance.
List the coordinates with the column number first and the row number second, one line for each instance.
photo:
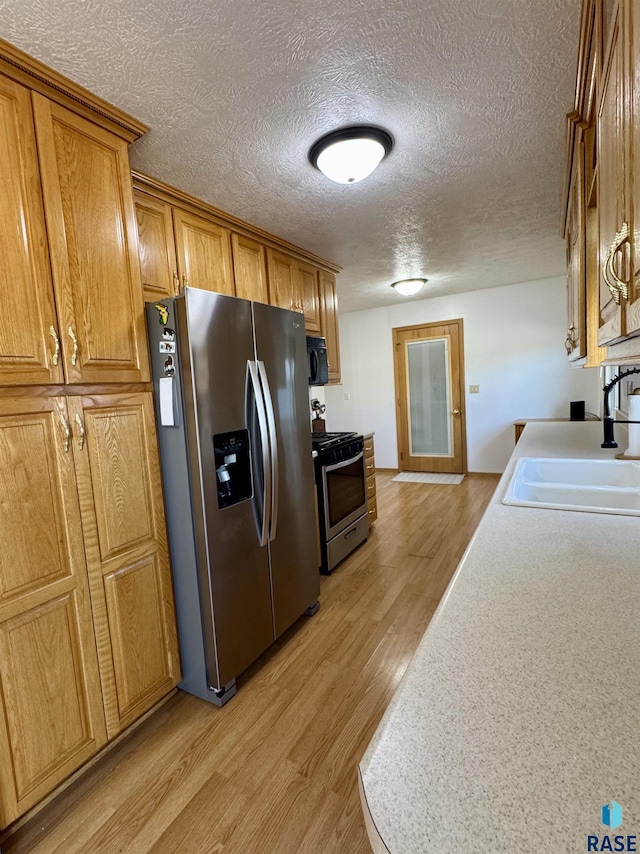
column 346, row 491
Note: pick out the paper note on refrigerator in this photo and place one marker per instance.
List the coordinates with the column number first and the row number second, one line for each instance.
column 166, row 402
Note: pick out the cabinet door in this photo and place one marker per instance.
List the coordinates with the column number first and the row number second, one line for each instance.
column 611, row 185
column 281, row 279
column 632, row 22
column 329, row 322
column 157, row 247
column 51, row 718
column 575, row 341
column 204, row 253
column 250, row 271
column 122, row 510
column 88, row 200
column 29, row 327
column 306, row 286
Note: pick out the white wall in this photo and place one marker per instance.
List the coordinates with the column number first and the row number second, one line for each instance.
column 513, row 349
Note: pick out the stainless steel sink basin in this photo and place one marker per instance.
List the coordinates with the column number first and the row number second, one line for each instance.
column 596, row 486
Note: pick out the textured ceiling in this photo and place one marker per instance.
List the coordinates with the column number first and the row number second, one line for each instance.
column 236, row 91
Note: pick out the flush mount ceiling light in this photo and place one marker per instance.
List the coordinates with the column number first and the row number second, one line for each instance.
column 350, row 154
column 408, row 287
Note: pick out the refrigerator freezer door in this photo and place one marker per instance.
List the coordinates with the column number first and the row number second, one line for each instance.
column 216, row 342
column 281, row 345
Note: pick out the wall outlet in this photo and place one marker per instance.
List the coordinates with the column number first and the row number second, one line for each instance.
column 474, row 389
column 347, row 395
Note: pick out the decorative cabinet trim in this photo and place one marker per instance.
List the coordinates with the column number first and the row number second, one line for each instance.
column 37, row 76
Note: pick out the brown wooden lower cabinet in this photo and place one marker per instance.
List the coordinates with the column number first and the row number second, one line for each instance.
column 87, row 632
column 370, row 474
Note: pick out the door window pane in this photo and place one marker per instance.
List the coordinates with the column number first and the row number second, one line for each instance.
column 429, row 398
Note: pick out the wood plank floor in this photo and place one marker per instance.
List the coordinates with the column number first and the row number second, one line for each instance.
column 275, row 770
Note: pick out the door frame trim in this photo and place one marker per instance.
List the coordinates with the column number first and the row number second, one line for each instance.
column 459, row 322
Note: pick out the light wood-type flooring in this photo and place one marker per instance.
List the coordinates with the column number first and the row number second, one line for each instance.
column 274, row 772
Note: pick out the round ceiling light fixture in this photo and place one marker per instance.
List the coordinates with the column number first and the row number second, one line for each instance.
column 409, row 287
column 350, row 154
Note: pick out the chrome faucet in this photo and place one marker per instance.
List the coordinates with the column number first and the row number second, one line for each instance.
column 607, row 419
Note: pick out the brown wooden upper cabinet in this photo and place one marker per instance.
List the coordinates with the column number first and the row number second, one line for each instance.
column 575, row 341
column 250, row 269
column 67, row 228
column 183, row 241
column 90, row 219
column 29, row 330
column 306, row 287
column 180, row 249
column 618, row 182
column 329, row 322
column 203, row 250
column 293, row 284
column 281, row 285
column 611, row 185
column 158, row 265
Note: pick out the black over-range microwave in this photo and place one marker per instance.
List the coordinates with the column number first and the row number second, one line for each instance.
column 317, row 359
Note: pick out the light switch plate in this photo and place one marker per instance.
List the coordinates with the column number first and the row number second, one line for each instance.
column 474, row 389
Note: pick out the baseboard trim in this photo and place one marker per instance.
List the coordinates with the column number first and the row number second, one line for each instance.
column 66, row 784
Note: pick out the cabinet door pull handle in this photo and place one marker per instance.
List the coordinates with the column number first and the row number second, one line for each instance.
column 185, row 281
column 176, row 282
column 67, row 432
column 80, row 430
column 614, row 283
column 74, row 355
column 455, row 412
column 56, row 353
column 615, row 293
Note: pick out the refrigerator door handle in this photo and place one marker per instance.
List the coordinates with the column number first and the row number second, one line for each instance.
column 273, row 441
column 263, row 533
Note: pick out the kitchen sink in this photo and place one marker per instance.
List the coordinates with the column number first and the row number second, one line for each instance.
column 595, row 486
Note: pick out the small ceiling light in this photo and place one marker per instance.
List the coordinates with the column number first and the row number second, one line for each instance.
column 409, row 287
column 350, row 154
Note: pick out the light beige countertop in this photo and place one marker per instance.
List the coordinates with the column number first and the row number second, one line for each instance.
column 519, row 715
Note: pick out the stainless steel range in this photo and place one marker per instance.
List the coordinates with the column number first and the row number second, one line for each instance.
column 342, row 495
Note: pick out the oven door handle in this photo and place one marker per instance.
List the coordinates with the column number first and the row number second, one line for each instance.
column 344, row 463
column 273, row 444
column 258, row 397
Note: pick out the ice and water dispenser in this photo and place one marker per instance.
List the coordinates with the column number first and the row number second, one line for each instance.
column 233, row 467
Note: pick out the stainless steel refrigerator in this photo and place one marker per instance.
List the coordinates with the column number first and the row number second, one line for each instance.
column 232, row 405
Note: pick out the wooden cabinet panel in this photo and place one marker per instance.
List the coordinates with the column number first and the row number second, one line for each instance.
column 632, row 23
column 51, row 717
column 575, row 341
column 26, row 294
column 611, row 183
column 137, row 625
column 281, row 279
column 306, row 294
column 157, row 247
column 370, row 474
column 250, row 270
column 92, row 239
column 329, row 322
column 47, row 716
column 120, row 490
column 204, row 253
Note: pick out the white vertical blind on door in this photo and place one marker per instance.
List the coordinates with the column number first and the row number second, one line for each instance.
column 429, row 397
